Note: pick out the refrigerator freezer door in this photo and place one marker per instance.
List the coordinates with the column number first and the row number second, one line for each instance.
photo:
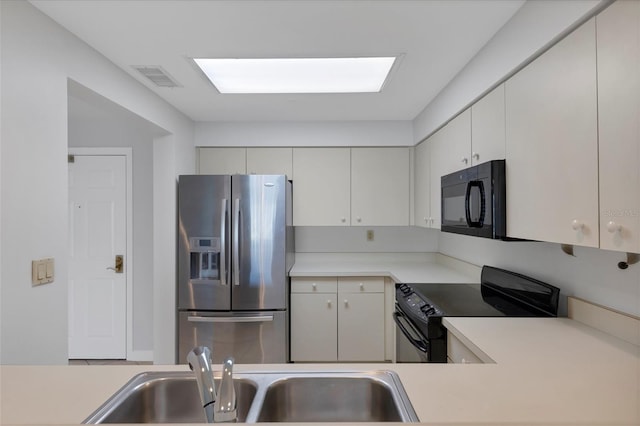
column 259, row 236
column 250, row 337
column 203, row 229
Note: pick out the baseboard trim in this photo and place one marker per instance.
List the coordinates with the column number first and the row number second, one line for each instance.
column 140, row 356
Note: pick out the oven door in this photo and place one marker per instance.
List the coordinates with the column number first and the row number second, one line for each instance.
column 411, row 345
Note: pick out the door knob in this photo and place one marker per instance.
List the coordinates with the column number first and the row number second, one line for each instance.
column 119, row 266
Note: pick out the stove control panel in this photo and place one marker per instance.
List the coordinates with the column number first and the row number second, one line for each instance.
column 415, row 304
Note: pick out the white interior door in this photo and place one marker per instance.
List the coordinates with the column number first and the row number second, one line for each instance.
column 97, row 228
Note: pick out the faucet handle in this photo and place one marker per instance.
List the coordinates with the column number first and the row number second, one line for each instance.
column 225, row 407
column 199, row 360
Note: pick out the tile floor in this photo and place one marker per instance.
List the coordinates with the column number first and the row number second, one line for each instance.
column 107, row 362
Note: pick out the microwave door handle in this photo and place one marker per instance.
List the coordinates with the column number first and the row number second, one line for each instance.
column 467, row 201
column 421, row 344
column 483, row 204
column 467, row 208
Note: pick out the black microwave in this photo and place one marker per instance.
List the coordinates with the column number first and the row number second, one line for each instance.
column 474, row 201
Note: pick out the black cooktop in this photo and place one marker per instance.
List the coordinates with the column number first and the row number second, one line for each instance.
column 456, row 299
column 501, row 293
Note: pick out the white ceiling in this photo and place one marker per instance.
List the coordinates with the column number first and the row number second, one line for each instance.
column 435, row 38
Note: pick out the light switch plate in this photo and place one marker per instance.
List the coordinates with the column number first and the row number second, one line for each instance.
column 42, row 271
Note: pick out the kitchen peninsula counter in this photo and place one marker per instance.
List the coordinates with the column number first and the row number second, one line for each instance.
column 547, row 371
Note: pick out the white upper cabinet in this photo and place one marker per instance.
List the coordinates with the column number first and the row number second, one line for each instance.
column 270, row 161
column 449, row 152
column 254, row 161
column 380, row 186
column 222, row 161
column 488, row 127
column 321, row 190
column 552, row 146
column 421, row 187
column 619, row 125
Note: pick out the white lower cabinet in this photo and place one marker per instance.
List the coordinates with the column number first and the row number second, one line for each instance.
column 458, row 353
column 337, row 319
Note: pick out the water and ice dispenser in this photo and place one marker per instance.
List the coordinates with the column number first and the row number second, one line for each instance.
column 205, row 260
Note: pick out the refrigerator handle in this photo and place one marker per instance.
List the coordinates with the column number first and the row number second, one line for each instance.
column 265, row 318
column 223, row 243
column 236, row 243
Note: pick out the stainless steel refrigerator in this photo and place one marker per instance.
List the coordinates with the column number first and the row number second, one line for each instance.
column 235, row 250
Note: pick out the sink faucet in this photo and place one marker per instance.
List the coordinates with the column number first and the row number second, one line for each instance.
column 217, row 408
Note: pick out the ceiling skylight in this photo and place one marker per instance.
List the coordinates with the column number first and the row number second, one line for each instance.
column 297, row 75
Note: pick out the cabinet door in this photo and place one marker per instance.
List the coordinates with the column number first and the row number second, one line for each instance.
column 450, row 151
column 421, row 187
column 270, row 161
column 361, row 327
column 380, row 186
column 458, row 353
column 321, row 191
column 488, row 128
column 619, row 128
column 314, row 325
column 222, row 161
column 552, row 146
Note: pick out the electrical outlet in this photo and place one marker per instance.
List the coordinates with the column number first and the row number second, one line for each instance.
column 369, row 234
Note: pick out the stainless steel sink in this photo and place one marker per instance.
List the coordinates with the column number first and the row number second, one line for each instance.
column 330, row 399
column 172, row 397
column 165, row 397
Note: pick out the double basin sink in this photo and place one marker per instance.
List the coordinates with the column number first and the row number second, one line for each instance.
column 172, row 397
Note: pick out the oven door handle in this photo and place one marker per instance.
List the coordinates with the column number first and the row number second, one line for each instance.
column 422, row 345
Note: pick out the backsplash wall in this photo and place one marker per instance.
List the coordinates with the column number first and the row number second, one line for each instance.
column 590, row 274
column 353, row 239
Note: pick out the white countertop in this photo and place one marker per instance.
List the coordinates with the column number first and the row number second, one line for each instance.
column 546, row 371
column 400, row 267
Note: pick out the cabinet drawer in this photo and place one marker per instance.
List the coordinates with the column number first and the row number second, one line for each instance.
column 458, row 353
column 314, row 285
column 361, row 284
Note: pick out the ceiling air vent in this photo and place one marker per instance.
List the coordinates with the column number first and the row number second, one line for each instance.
column 157, row 75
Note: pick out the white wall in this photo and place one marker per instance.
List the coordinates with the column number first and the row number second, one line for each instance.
column 321, row 133
column 90, row 126
column 531, row 29
column 38, row 56
column 590, row 274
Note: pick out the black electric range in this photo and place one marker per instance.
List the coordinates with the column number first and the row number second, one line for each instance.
column 421, row 307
